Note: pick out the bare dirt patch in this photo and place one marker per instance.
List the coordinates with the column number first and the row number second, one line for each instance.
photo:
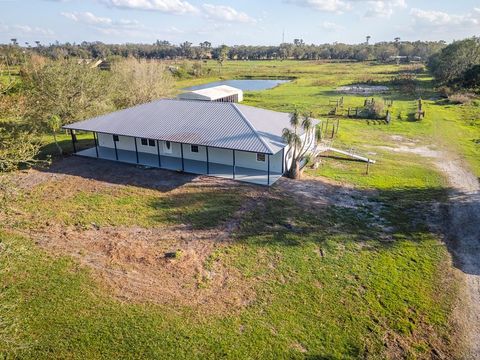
column 132, row 263
column 136, row 264
column 323, row 192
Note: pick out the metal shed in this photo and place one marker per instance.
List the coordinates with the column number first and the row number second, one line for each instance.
column 222, row 93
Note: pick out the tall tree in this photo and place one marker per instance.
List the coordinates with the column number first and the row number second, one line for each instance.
column 299, row 137
column 138, row 81
column 454, row 61
column 63, row 88
column 222, row 56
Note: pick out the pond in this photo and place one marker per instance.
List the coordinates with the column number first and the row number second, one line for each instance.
column 245, row 85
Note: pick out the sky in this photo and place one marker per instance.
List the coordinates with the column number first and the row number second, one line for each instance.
column 250, row 22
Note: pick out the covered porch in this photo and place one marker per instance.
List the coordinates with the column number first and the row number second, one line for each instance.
column 182, row 164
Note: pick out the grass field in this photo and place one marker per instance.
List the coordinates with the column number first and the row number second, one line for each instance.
column 310, row 280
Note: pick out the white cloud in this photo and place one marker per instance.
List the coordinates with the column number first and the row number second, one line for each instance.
column 108, row 26
column 166, row 6
column 336, row 6
column 25, row 30
column 88, row 18
column 383, row 9
column 98, row 21
column 374, row 8
column 439, row 18
column 331, row 27
column 226, row 13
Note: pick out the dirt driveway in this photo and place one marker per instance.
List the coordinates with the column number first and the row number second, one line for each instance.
column 461, row 225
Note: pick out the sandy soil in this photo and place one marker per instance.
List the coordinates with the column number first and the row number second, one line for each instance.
column 461, row 225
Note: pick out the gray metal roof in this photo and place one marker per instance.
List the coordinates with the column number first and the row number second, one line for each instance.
column 215, row 124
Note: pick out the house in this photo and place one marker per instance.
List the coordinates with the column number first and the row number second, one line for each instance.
column 222, row 93
column 213, row 138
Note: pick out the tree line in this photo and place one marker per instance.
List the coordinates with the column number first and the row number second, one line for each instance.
column 297, row 50
column 458, row 64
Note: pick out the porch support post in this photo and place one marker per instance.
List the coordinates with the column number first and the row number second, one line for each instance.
column 116, row 151
column 136, row 148
column 183, row 162
column 73, row 141
column 158, row 153
column 208, row 165
column 268, row 169
column 283, row 160
column 96, row 142
column 234, row 164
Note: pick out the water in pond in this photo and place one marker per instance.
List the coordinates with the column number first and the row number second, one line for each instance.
column 245, row 85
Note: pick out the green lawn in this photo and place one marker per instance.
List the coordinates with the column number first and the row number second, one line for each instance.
column 332, row 288
column 328, row 281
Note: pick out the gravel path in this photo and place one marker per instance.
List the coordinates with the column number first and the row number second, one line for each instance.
column 464, row 233
column 462, row 227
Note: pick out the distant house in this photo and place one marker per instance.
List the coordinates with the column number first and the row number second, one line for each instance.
column 222, row 93
column 214, row 138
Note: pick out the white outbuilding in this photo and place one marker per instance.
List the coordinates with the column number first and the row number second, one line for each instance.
column 222, row 93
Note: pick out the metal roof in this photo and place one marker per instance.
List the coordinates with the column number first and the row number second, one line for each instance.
column 215, row 124
column 211, row 93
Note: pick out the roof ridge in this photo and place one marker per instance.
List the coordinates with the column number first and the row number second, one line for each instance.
column 252, row 128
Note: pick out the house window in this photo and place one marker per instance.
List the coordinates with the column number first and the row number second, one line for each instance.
column 144, row 142
column 194, row 148
column 151, row 142
column 167, row 146
column 115, row 138
column 260, row 157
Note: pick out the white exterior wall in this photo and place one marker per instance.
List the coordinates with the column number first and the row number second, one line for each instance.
column 146, row 148
column 200, row 156
column 276, row 162
column 126, row 143
column 123, row 143
column 215, row 155
column 174, row 147
column 105, row 140
column 249, row 160
column 220, row 156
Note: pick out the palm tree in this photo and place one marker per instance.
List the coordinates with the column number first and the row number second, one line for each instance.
column 297, row 146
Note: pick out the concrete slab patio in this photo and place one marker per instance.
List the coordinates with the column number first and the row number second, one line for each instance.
column 189, row 166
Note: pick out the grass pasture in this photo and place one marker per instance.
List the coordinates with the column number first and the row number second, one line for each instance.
column 352, row 272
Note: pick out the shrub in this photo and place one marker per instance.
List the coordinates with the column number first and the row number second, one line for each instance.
column 374, row 110
column 461, row 98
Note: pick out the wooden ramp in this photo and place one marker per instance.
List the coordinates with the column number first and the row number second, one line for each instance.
column 352, row 154
column 327, row 146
